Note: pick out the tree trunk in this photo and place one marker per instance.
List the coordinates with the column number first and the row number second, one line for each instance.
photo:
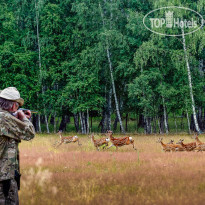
column 39, row 57
column 111, row 74
column 87, row 122
column 65, row 119
column 145, row 125
column 148, row 128
column 200, row 118
column 140, row 121
column 188, row 123
column 102, row 122
column 114, row 91
column 162, row 124
column 58, row 121
column 91, row 123
column 109, row 110
column 83, row 122
column 105, row 122
column 76, row 122
column 154, row 125
column 182, row 122
column 39, row 122
column 35, row 122
column 115, row 123
column 47, row 126
column 54, row 125
column 204, row 121
column 175, row 122
column 158, row 122
column 39, row 61
column 126, row 122
column 165, row 116
column 190, row 83
column 38, row 38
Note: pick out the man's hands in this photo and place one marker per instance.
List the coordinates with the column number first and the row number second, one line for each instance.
column 22, row 115
column 27, row 113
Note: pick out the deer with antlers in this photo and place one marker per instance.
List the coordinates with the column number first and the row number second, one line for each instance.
column 66, row 140
column 189, row 146
column 99, row 142
column 119, row 141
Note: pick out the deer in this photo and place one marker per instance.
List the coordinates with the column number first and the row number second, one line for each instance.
column 99, row 142
column 200, row 146
column 165, row 147
column 170, row 146
column 119, row 141
column 176, row 147
column 189, row 146
column 66, row 140
column 198, row 142
column 171, row 142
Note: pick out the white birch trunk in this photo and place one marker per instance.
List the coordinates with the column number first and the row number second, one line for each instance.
column 111, row 73
column 81, row 122
column 188, row 122
column 165, row 116
column 114, row 91
column 39, row 122
column 46, row 121
column 109, row 110
column 88, row 122
column 190, row 83
column 84, row 124
column 39, row 60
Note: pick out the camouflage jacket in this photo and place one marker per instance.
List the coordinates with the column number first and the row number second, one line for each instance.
column 12, row 131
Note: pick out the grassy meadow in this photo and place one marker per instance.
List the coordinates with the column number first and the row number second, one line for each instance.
column 73, row 174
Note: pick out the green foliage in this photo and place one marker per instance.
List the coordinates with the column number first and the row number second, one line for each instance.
column 75, row 77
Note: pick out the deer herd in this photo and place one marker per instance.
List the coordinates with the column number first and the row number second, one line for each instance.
column 180, row 146
column 115, row 141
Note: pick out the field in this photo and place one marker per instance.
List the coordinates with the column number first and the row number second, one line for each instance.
column 75, row 174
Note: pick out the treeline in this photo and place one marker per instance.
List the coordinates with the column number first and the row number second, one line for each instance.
column 95, row 58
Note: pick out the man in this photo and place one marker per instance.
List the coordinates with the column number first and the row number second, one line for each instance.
column 14, row 127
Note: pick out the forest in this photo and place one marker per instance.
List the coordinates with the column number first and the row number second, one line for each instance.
column 91, row 66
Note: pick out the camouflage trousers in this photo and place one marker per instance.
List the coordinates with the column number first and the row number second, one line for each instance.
column 9, row 192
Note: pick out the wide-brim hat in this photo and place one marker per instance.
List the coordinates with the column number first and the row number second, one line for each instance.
column 11, row 93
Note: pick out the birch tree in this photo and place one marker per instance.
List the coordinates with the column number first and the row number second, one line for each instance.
column 190, row 83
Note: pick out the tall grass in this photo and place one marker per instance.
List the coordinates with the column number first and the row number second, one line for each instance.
column 75, row 174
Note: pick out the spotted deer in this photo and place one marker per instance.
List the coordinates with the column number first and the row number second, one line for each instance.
column 99, row 142
column 189, row 146
column 66, row 140
column 119, row 141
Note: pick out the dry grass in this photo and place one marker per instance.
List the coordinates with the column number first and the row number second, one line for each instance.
column 75, row 174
